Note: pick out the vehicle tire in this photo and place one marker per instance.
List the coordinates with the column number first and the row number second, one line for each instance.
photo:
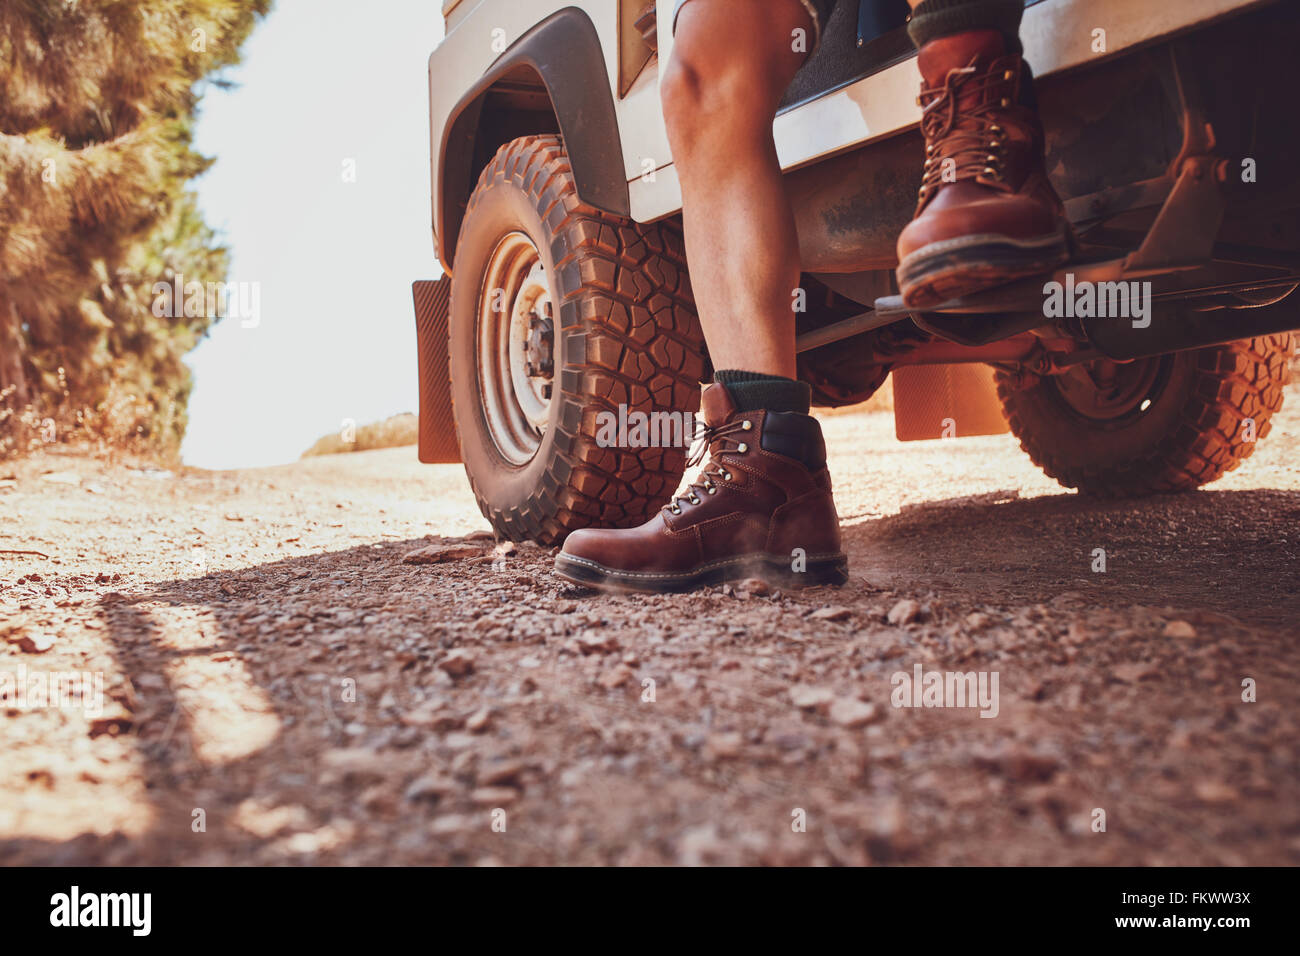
column 1163, row 424
column 559, row 312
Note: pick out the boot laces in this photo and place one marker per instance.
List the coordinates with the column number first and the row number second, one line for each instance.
column 719, row 439
column 969, row 138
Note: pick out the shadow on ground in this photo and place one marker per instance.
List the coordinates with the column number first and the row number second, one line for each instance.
column 296, row 773
column 1233, row 552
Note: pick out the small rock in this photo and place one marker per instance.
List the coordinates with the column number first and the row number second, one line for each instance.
column 1069, row 600
column 807, row 697
column 377, row 799
column 723, row 746
column 852, row 713
column 494, row 796
column 453, row 823
column 1132, row 673
column 1078, row 633
column 62, row 477
column 834, row 613
column 501, row 772
column 353, row 763
column 1017, row 763
column 700, row 845
column 437, row 554
column 479, row 721
column 755, row 586
column 430, row 715
column 616, row 677
column 1213, row 791
column 597, row 643
column 889, row 836
column 431, row 786
column 115, row 721
column 1179, row 629
column 458, row 663
column 904, row 612
column 31, row 643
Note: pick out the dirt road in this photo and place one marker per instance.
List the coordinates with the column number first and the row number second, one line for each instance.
column 279, row 687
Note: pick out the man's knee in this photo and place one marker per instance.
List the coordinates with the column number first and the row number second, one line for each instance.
column 700, row 89
column 682, row 89
column 715, row 78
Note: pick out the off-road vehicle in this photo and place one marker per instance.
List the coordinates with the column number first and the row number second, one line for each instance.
column 1171, row 136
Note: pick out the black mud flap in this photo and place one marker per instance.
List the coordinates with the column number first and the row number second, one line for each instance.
column 438, row 443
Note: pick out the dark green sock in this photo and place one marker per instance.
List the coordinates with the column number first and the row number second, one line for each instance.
column 939, row 18
column 752, row 391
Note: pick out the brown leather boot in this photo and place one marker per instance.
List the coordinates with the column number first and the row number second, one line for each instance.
column 986, row 213
column 761, row 508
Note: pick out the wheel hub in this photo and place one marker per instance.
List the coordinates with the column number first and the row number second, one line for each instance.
column 539, row 349
column 1108, row 391
column 516, row 347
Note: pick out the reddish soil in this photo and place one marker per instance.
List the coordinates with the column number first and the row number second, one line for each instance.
column 275, row 672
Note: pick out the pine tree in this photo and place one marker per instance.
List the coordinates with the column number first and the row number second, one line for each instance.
column 97, row 102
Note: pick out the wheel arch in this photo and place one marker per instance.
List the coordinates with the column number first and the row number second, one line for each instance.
column 551, row 80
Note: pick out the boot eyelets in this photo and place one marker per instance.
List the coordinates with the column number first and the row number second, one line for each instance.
column 1006, row 103
column 712, row 489
column 1008, row 75
column 747, row 425
column 990, row 171
column 694, row 499
column 995, row 129
column 726, row 476
column 742, row 449
column 675, row 508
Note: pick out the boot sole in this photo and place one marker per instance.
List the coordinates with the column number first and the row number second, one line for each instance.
column 956, row 268
column 772, row 569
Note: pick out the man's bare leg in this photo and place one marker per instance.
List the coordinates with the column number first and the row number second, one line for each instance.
column 761, row 506
column 731, row 62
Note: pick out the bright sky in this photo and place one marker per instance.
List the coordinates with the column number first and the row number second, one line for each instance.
column 322, row 82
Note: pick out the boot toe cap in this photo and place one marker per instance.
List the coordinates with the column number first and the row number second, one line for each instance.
column 586, row 543
column 1011, row 217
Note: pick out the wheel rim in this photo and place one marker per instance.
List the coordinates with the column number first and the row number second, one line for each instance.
column 1105, row 391
column 515, row 347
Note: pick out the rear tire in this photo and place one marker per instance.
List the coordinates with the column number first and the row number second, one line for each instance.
column 1204, row 412
column 622, row 331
